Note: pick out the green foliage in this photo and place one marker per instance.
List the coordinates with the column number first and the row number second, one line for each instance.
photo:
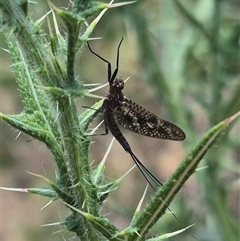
column 44, row 65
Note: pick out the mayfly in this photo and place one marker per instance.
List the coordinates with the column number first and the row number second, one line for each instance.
column 120, row 111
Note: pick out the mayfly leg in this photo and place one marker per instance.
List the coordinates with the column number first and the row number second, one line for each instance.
column 111, row 76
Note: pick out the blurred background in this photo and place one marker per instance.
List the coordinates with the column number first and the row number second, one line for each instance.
column 183, row 59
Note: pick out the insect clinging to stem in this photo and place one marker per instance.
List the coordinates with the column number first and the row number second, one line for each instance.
column 118, row 110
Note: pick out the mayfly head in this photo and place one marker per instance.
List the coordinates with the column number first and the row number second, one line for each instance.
column 118, row 84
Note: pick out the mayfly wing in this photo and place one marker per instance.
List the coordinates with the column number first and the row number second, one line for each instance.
column 134, row 117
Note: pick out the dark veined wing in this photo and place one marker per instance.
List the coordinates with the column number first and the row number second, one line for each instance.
column 133, row 117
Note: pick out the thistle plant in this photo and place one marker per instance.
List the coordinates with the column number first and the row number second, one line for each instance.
column 44, row 64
